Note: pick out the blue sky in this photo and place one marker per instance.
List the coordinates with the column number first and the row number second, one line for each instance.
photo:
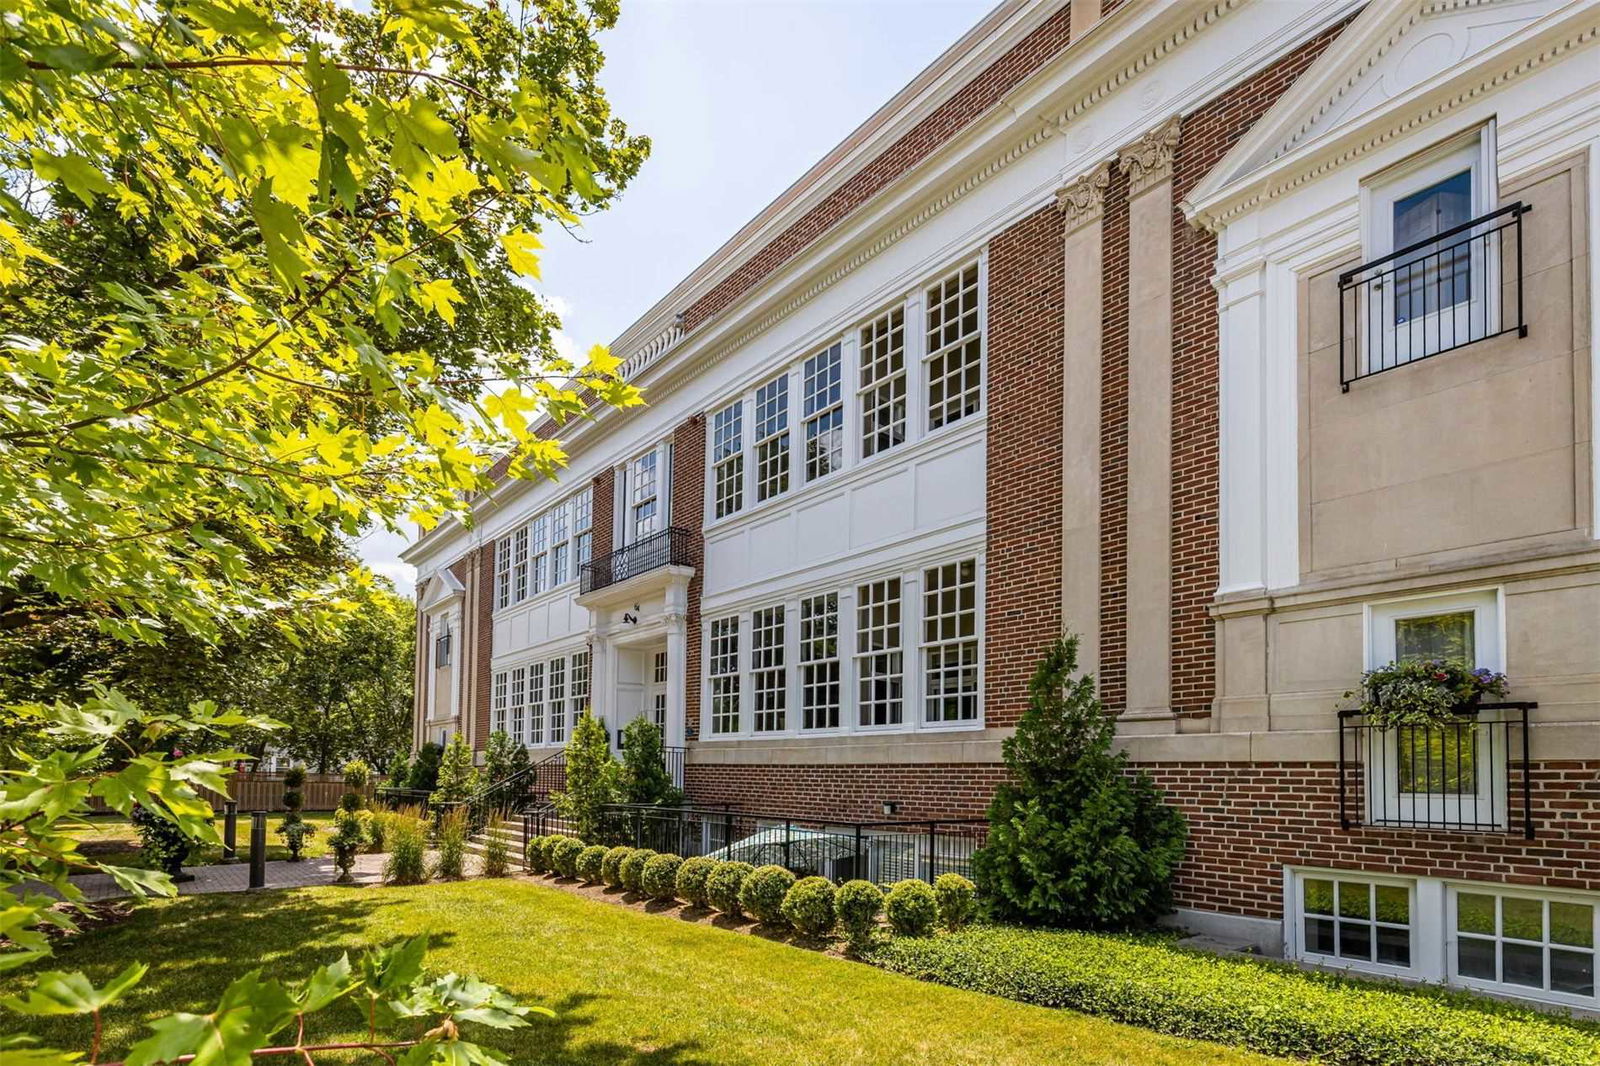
column 740, row 97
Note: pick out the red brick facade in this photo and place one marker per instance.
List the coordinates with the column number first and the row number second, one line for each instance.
column 854, row 792
column 976, row 97
column 1022, row 597
column 687, row 509
column 602, row 523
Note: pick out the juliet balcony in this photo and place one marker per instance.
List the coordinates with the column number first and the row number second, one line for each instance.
column 673, row 546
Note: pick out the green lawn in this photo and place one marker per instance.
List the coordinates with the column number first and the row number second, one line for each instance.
column 629, row 988
column 115, row 840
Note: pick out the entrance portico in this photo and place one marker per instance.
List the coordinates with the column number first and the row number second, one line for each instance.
column 638, row 637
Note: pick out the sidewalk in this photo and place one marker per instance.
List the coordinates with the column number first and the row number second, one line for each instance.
column 235, row 877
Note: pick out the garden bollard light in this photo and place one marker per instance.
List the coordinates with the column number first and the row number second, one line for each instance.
column 230, row 832
column 258, row 849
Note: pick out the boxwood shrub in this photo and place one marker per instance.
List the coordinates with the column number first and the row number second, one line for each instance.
column 808, row 906
column 692, row 877
column 564, row 856
column 589, row 861
column 633, row 869
column 537, row 854
column 659, row 878
column 1267, row 1007
column 957, row 898
column 611, row 865
column 859, row 903
column 724, row 884
column 763, row 892
column 912, row 908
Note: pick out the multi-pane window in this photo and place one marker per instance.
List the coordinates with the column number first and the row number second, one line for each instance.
column 727, row 459
column 519, row 565
column 879, row 659
column 645, row 506
column 579, row 697
column 769, row 677
column 497, row 709
column 441, row 646
column 582, row 521
column 772, row 438
column 556, row 676
column 536, row 703
column 950, row 642
column 955, row 348
column 658, row 697
column 723, row 669
column 823, row 412
column 1360, row 921
column 519, row 705
column 1529, row 942
column 560, row 550
column 819, row 661
column 502, row 568
column 540, row 537
column 882, row 392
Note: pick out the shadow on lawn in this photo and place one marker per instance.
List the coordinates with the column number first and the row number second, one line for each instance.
column 555, row 1041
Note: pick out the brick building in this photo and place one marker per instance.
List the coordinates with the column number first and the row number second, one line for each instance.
column 1248, row 339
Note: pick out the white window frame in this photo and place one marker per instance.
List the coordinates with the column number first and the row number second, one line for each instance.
column 502, row 569
column 823, row 410
column 727, row 460
column 780, row 437
column 536, row 704
column 1502, row 892
column 560, row 545
column 867, row 334
column 931, row 352
column 539, row 552
column 579, row 679
column 926, row 647
column 725, row 665
column 641, row 491
column 582, row 528
column 518, row 705
column 769, row 673
column 1296, row 916
column 519, row 565
column 820, row 673
column 1487, row 606
column 1475, row 152
column 497, row 711
column 555, row 680
column 861, row 657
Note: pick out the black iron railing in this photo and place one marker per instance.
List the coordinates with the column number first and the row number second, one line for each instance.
column 672, row 759
column 1431, row 297
column 1469, row 774
column 671, row 547
column 883, row 852
column 396, row 798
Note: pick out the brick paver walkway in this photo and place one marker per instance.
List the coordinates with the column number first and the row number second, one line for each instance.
column 235, row 877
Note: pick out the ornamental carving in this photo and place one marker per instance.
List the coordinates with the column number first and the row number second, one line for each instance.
column 1148, row 160
column 1082, row 200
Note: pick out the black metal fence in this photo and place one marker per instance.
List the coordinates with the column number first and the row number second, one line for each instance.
column 1433, row 296
column 883, row 852
column 673, row 546
column 1471, row 774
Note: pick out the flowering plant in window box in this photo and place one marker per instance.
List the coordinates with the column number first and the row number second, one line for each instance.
column 1425, row 691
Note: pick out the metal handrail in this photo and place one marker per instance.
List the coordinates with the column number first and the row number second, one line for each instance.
column 672, row 546
column 1517, row 209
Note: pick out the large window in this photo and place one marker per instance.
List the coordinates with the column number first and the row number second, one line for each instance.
column 560, row 546
column 441, row 646
column 546, row 552
column 824, row 413
column 882, row 392
column 519, row 705
column 770, row 679
column 772, row 438
column 539, row 537
column 582, row 535
column 723, row 667
column 954, row 351
column 502, row 571
column 497, row 707
column 819, row 661
column 727, row 459
column 879, row 656
column 536, row 703
column 645, row 503
column 1356, row 921
column 950, row 642
column 1525, row 942
column 519, row 565
column 579, row 699
column 556, row 676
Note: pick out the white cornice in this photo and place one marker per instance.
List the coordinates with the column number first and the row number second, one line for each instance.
column 1217, row 201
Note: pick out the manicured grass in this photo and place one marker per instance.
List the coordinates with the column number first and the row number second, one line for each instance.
column 629, row 988
column 115, row 840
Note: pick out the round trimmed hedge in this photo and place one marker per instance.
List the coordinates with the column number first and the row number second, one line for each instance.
column 659, row 879
column 808, row 906
column 589, row 860
column 723, row 886
column 611, row 865
column 957, row 899
column 762, row 894
column 633, row 869
column 858, row 904
column 536, row 854
column 692, row 877
column 912, row 908
column 564, row 856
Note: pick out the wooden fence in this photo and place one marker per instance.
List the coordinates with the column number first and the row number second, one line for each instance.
column 264, row 792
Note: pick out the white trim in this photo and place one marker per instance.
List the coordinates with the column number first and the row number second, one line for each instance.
column 1452, row 938
column 1294, row 921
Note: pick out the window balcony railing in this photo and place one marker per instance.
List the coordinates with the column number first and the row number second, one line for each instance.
column 1431, row 297
column 1470, row 774
column 670, row 547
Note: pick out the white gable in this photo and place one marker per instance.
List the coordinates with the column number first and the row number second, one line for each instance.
column 1388, row 51
column 440, row 589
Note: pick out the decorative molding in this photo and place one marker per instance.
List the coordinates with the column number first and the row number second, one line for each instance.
column 1083, row 200
column 1148, row 161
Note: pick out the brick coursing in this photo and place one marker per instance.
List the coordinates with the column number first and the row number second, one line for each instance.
column 1208, row 134
column 972, row 100
column 1247, row 821
column 601, row 521
column 1022, row 597
column 687, row 508
column 1115, row 256
column 848, row 792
